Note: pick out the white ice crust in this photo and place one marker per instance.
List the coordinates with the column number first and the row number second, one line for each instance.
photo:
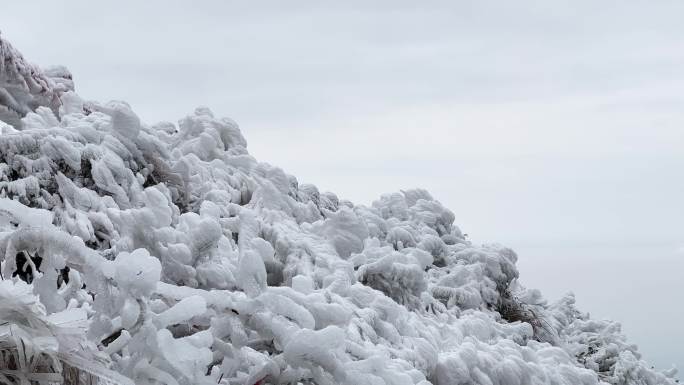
column 190, row 262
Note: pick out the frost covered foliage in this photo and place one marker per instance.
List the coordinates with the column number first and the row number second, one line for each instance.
column 177, row 258
column 24, row 87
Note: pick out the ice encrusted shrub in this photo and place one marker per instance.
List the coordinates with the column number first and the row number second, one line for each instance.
column 189, row 262
column 25, row 87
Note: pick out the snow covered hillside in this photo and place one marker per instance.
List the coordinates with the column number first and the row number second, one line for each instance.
column 166, row 254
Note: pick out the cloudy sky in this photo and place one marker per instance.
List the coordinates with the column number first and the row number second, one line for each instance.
column 553, row 127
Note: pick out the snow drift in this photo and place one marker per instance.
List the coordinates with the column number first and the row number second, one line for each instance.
column 166, row 254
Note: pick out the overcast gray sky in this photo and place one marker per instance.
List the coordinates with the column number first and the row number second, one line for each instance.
column 553, row 127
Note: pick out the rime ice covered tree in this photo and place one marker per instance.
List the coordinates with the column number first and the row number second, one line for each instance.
column 169, row 255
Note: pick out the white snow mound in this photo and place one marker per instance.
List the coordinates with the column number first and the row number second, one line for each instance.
column 166, row 253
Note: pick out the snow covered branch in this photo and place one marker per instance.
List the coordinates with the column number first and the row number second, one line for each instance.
column 166, row 254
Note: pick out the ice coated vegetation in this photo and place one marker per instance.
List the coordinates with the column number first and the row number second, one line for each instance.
column 166, row 254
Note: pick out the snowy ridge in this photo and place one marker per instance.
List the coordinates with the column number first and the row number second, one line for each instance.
column 24, row 86
column 180, row 259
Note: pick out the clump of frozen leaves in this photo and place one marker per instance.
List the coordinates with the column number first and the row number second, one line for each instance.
column 186, row 261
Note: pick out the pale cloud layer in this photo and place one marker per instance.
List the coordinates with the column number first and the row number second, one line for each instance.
column 542, row 125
